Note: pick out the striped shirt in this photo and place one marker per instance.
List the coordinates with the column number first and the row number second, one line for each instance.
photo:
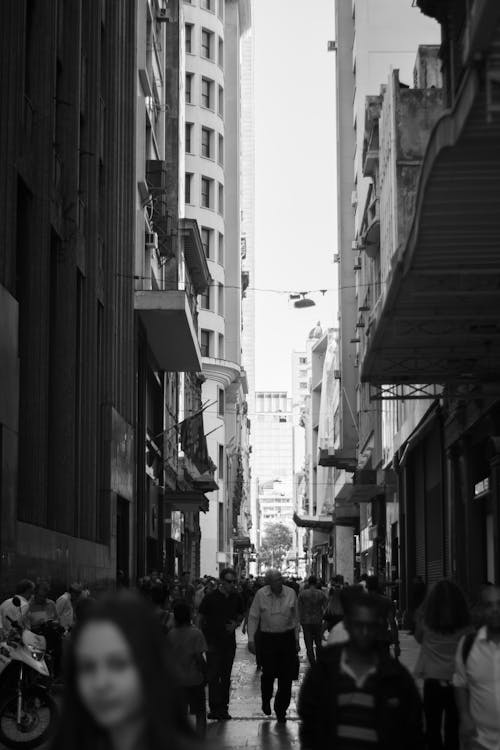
column 356, row 720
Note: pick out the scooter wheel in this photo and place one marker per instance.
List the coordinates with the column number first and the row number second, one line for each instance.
column 38, row 719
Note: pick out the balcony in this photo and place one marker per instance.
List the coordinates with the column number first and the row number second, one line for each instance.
column 437, row 321
column 170, row 326
column 338, row 458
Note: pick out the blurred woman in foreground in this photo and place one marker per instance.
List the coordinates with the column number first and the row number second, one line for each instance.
column 119, row 690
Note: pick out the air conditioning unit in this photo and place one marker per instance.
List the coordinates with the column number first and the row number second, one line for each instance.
column 336, row 258
column 357, row 265
column 354, row 246
column 354, row 198
column 163, row 16
column 151, row 241
column 336, row 374
column 332, row 46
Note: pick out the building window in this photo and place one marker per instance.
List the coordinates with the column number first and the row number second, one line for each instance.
column 207, row 43
column 206, row 192
column 205, row 299
column 220, row 254
column 189, row 130
column 206, row 142
column 188, row 179
column 220, row 204
column 220, row 299
column 207, row 4
column 221, row 461
column 221, row 101
column 303, row 384
column 189, row 88
column 221, row 402
column 302, row 360
column 220, row 9
column 206, row 93
column 221, row 149
column 221, row 52
column 206, row 241
column 221, row 346
column 189, row 37
column 205, row 343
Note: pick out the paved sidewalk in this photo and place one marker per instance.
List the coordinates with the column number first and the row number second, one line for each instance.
column 249, row 728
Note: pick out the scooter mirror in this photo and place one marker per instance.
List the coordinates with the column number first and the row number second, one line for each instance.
column 16, row 601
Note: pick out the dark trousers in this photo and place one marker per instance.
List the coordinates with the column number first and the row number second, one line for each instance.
column 220, row 659
column 279, row 659
column 312, row 637
column 439, row 700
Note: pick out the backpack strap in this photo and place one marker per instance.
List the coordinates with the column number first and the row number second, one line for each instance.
column 467, row 646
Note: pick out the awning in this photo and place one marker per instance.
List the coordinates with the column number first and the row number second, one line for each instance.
column 420, row 431
column 195, row 254
column 241, row 543
column 187, row 502
column 437, row 320
column 313, row 522
column 338, row 458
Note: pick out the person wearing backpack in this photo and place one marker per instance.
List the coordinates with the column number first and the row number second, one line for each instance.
column 477, row 678
column 440, row 623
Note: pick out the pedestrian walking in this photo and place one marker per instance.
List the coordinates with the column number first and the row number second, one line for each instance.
column 188, row 648
column 275, row 610
column 66, row 605
column 221, row 611
column 356, row 696
column 120, row 688
column 312, row 602
column 389, row 632
column 439, row 625
column 477, row 678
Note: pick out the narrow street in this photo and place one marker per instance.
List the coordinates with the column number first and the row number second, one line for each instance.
column 249, row 728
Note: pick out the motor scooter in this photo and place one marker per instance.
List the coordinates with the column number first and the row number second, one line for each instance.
column 27, row 711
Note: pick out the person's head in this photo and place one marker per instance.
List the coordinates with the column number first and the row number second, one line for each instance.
column 372, row 584
column 228, row 580
column 445, row 608
column 75, row 592
column 176, row 592
column 312, row 581
column 274, row 580
column 182, row 613
column 41, row 592
column 25, row 588
column 186, row 577
column 490, row 606
column 117, row 676
column 362, row 620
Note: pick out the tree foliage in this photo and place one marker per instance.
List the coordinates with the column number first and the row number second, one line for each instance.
column 275, row 545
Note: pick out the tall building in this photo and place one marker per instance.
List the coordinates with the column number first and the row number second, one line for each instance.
column 365, row 34
column 99, row 275
column 436, row 321
column 212, row 37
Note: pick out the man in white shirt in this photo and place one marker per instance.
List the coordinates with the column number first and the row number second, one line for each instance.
column 65, row 605
column 10, row 612
column 477, row 679
column 275, row 607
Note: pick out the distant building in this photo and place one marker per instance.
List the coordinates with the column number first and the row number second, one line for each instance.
column 273, row 460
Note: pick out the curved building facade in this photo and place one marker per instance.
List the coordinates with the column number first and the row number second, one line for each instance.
column 212, row 31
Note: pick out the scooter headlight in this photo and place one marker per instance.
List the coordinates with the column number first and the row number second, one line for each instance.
column 36, row 653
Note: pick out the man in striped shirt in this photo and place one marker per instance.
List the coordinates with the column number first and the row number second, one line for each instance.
column 356, row 697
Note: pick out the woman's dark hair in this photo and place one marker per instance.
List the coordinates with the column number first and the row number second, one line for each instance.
column 182, row 612
column 165, row 720
column 445, row 608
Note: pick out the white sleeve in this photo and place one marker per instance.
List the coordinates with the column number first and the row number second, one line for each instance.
column 460, row 674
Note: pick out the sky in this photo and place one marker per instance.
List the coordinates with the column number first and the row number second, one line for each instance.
column 295, row 181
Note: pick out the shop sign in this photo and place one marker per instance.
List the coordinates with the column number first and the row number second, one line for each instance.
column 482, row 487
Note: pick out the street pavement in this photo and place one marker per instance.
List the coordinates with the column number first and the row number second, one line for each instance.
column 249, row 728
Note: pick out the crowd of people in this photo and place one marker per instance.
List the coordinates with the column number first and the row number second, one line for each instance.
column 125, row 653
